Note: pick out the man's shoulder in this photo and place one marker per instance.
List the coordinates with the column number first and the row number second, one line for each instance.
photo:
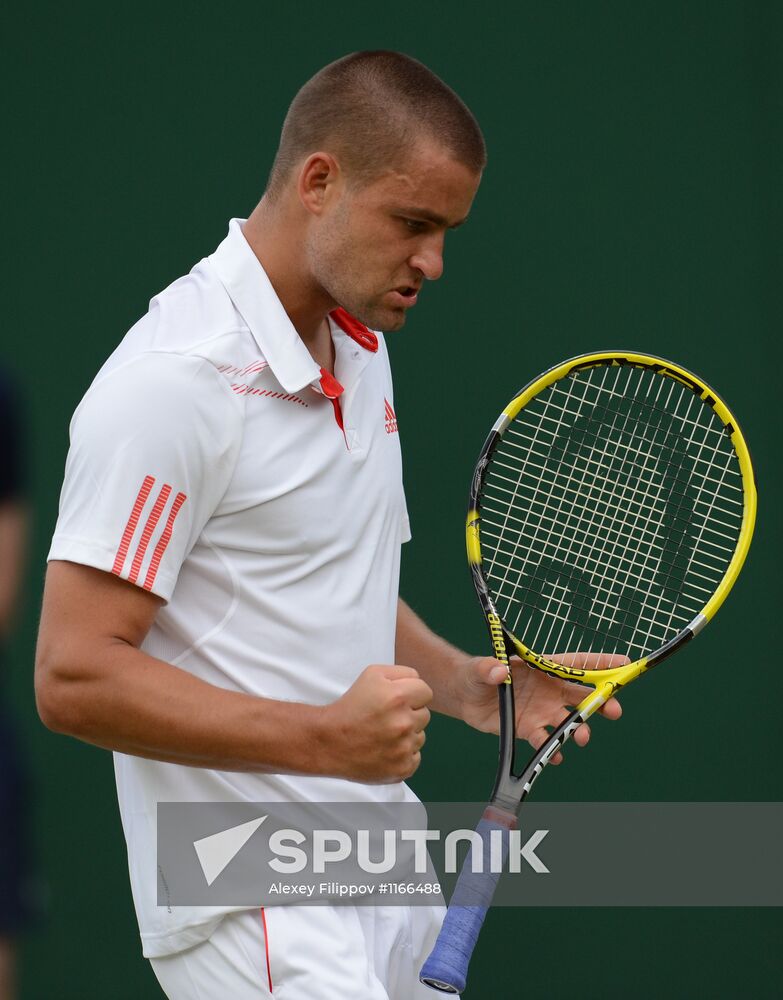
column 193, row 318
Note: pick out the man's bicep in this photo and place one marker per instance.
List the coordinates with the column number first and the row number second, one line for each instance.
column 84, row 606
column 86, row 614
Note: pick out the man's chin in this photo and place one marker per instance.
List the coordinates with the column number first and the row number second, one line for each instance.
column 386, row 320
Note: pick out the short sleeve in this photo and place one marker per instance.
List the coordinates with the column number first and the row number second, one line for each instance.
column 153, row 448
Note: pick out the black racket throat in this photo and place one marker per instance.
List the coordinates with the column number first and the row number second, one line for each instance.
column 511, row 788
column 505, row 794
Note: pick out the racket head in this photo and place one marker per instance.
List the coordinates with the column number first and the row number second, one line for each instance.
column 615, row 496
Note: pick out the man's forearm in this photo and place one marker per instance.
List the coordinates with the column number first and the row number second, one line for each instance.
column 94, row 682
column 437, row 661
column 136, row 704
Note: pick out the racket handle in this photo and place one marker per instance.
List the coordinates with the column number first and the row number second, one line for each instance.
column 446, row 969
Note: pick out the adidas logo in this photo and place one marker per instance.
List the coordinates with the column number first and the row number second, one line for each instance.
column 391, row 418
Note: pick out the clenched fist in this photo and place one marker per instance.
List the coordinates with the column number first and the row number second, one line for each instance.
column 375, row 731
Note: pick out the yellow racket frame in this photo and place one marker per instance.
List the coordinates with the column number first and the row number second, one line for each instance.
column 607, row 681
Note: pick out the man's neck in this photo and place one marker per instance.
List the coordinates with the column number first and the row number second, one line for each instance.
column 272, row 232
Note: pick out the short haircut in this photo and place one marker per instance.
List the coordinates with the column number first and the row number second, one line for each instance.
column 370, row 108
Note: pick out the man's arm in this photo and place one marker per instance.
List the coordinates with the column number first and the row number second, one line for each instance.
column 465, row 686
column 438, row 662
column 94, row 682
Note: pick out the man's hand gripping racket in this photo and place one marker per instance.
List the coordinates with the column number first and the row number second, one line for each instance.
column 611, row 509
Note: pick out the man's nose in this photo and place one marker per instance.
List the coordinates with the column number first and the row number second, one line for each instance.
column 429, row 260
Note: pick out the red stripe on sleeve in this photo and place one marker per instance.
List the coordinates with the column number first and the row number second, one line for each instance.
column 133, row 520
column 149, row 527
column 163, row 541
column 266, row 949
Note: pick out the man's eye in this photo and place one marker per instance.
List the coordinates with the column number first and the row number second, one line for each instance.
column 415, row 225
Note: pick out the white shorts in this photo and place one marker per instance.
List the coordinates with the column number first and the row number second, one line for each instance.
column 307, row 953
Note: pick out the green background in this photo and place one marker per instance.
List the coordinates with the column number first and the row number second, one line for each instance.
column 632, row 199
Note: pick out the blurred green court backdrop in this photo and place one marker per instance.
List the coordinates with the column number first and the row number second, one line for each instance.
column 632, row 199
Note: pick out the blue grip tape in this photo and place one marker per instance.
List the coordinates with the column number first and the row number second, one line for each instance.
column 446, row 969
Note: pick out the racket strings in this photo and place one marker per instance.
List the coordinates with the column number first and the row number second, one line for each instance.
column 610, row 511
column 629, row 505
column 625, row 491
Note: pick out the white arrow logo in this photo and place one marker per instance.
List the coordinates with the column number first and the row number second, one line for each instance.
column 218, row 850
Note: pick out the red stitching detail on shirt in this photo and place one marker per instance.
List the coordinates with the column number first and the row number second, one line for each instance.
column 133, row 520
column 254, row 366
column 266, row 949
column 163, row 541
column 257, row 366
column 242, row 389
column 149, row 527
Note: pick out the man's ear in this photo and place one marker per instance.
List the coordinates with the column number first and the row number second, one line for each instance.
column 318, row 178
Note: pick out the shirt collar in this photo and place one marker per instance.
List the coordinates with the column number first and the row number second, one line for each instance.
column 241, row 274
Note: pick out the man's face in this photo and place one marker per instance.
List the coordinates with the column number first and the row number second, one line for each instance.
column 372, row 249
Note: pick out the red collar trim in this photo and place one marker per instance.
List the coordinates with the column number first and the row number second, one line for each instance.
column 330, row 387
column 356, row 331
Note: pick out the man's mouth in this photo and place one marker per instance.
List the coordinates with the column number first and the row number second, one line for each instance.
column 405, row 295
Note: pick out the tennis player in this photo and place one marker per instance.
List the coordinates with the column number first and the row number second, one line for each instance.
column 221, row 606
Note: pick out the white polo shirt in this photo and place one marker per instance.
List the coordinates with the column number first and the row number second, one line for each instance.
column 213, row 463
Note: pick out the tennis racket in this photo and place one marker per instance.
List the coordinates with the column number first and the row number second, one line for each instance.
column 611, row 510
